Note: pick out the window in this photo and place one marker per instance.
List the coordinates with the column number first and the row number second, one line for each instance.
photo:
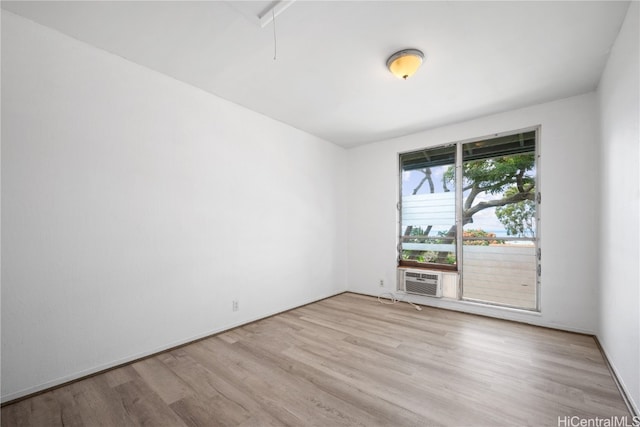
column 471, row 207
column 428, row 208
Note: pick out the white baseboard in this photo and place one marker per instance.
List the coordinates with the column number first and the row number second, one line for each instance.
column 624, row 391
column 505, row 313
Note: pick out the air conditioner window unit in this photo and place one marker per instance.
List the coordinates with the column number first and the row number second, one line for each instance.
column 420, row 282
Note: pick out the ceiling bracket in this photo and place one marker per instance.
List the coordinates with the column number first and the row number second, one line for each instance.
column 275, row 9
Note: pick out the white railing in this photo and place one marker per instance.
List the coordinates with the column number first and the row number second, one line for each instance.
column 503, row 274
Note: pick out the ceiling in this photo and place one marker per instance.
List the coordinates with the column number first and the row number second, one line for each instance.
column 329, row 76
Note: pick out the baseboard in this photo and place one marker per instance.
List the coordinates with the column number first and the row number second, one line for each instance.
column 496, row 312
column 79, row 376
column 631, row 405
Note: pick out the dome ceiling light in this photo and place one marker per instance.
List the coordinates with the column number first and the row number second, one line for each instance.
column 405, row 63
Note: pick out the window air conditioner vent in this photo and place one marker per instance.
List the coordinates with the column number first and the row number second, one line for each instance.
column 427, row 283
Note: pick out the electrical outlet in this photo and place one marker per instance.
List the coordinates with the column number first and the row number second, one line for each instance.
column 235, row 305
column 381, row 283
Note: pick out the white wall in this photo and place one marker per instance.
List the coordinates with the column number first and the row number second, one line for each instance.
column 568, row 180
column 136, row 208
column 619, row 298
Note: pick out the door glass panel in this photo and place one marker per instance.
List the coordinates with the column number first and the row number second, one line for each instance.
column 499, row 226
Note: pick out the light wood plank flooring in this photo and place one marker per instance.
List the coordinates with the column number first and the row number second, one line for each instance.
column 347, row 361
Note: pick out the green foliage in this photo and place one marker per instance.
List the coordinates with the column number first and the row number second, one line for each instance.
column 417, row 231
column 481, row 233
column 510, row 180
column 428, row 256
column 518, row 218
column 494, row 175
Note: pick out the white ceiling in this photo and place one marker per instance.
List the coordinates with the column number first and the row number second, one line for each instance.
column 329, row 77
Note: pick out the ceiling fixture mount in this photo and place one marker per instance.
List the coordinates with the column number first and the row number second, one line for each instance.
column 404, row 63
column 275, row 8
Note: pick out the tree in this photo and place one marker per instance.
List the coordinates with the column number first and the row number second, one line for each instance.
column 494, row 176
column 518, row 218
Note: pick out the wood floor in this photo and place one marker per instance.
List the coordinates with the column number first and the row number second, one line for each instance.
column 347, row 361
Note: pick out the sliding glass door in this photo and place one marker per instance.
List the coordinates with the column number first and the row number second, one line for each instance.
column 499, row 221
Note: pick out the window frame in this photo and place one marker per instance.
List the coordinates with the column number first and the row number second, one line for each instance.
column 459, row 266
